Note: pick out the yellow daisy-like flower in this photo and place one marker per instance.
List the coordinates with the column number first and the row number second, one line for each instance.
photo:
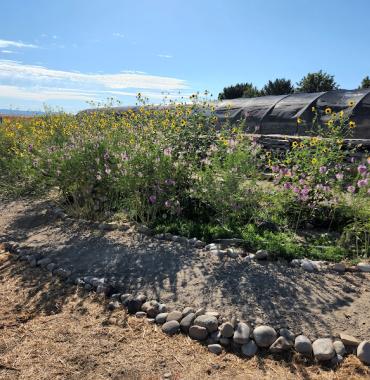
column 301, row 145
column 314, row 161
column 352, row 124
column 341, row 114
column 299, row 121
column 313, row 109
column 351, row 103
column 314, row 141
column 330, row 123
column 294, row 144
column 334, row 114
column 328, row 110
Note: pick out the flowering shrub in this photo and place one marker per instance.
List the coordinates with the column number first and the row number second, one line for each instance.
column 177, row 169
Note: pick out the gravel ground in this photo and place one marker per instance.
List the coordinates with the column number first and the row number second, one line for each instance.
column 316, row 304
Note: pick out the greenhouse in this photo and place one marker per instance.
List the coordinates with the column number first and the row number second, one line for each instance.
column 279, row 115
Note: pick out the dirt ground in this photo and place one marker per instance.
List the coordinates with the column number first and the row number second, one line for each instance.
column 52, row 331
column 316, row 304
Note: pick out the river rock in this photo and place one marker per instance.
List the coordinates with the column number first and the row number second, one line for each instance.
column 174, row 316
column 151, row 308
column 187, row 311
column 339, row 267
column 287, row 334
column 208, row 321
column 363, row 267
column 349, row 340
column 323, row 349
column 264, row 336
column 140, row 314
column 261, row 254
column 281, row 344
column 161, row 318
column 215, row 349
column 303, row 345
column 339, row 348
column 363, row 352
column 227, row 330
column 171, row 327
column 198, row 332
column 249, row 349
column 241, row 333
column 186, row 322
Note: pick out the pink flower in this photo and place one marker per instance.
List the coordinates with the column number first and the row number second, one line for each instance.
column 362, row 183
column 351, row 189
column 322, row 169
column 167, row 151
column 339, row 176
column 152, row 199
column 296, row 189
column 287, row 185
column 275, row 169
column 361, row 169
column 167, row 204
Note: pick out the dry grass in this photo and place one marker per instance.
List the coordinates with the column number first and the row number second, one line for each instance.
column 49, row 331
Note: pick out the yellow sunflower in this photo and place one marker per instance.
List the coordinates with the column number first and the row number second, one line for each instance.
column 351, row 103
column 330, row 123
column 294, row 144
column 328, row 110
column 299, row 120
column 341, row 114
column 352, row 124
column 314, row 161
column 313, row 109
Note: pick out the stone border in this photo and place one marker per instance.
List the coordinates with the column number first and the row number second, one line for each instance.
column 207, row 327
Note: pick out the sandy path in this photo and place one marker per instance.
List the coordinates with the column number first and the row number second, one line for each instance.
column 316, row 304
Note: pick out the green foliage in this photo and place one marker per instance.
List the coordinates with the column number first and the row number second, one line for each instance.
column 317, row 82
column 365, row 83
column 246, row 90
column 280, row 86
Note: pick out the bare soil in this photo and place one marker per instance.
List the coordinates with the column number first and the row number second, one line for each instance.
column 52, row 331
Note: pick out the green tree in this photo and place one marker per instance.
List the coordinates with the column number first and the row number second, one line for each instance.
column 365, row 83
column 317, row 82
column 238, row 91
column 280, row 86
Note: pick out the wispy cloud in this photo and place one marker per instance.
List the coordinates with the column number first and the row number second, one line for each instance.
column 119, row 35
column 7, row 51
column 164, row 55
column 17, row 44
column 39, row 83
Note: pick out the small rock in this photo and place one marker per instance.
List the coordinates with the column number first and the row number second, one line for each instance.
column 125, row 298
column 151, row 308
column 199, row 244
column 281, row 344
column 339, row 267
column 349, row 340
column 308, row 266
column 141, row 297
column 186, row 322
column 61, row 272
column 287, row 334
column 215, row 349
column 171, row 327
column 208, row 321
column 249, row 349
column 363, row 267
column 198, row 332
column 231, row 252
column 303, row 345
column 363, row 352
column 200, row 311
column 140, row 314
column 339, row 348
column 296, row 262
column 162, row 308
column 264, row 336
column 261, row 254
column 323, row 349
column 187, row 311
column 227, row 330
column 211, row 247
column 114, row 305
column 145, row 230
column 115, row 296
column 224, row 341
column 213, row 314
column 174, row 316
column 151, row 321
column 133, row 305
column 103, row 289
column 161, row 318
column 241, row 333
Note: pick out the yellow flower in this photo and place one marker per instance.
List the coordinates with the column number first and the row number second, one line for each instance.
column 299, row 121
column 341, row 114
column 314, row 141
column 330, row 123
column 352, row 124
column 313, row 109
column 334, row 114
column 301, row 145
column 294, row 144
column 328, row 110
column 314, row 161
column 351, row 103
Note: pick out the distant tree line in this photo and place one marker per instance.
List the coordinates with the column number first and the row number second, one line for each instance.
column 312, row 82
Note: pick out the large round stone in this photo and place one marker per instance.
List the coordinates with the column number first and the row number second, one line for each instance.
column 186, row 322
column 264, row 336
column 227, row 330
column 174, row 316
column 198, row 332
column 363, row 351
column 250, row 348
column 241, row 333
column 339, row 348
column 215, row 349
column 323, row 349
column 151, row 308
column 171, row 327
column 303, row 345
column 208, row 321
column 161, row 318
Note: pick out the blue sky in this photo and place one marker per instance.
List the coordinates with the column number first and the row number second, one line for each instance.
column 66, row 52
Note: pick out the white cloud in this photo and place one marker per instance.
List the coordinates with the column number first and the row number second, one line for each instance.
column 40, row 75
column 119, row 35
column 7, row 51
column 164, row 56
column 17, row 44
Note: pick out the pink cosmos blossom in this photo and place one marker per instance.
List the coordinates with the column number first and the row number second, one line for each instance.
column 152, row 199
column 339, row 176
column 362, row 183
column 167, row 152
column 322, row 169
column 287, row 185
column 351, row 189
column 361, row 169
